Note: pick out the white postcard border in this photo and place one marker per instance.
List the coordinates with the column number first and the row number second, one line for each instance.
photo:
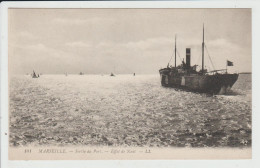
column 255, row 5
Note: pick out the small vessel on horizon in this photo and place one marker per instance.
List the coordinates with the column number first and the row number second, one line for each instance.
column 81, row 73
column 112, row 74
column 187, row 77
column 34, row 75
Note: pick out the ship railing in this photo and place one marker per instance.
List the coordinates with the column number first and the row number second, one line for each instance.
column 220, row 71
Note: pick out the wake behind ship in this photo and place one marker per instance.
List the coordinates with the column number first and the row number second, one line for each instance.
column 187, row 77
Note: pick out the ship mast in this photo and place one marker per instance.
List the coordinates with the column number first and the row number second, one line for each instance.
column 175, row 51
column 203, row 52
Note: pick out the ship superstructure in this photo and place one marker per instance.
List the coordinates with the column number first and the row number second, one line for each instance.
column 187, row 77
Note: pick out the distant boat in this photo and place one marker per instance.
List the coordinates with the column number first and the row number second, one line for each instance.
column 112, row 74
column 113, row 71
column 34, row 75
column 81, row 73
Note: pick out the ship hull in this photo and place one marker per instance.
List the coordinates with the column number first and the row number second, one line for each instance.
column 214, row 84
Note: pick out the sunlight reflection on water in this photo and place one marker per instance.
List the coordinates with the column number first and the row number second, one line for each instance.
column 125, row 110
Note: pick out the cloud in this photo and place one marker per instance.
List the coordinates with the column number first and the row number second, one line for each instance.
column 82, row 21
column 69, row 21
column 21, row 37
column 78, row 44
column 38, row 46
column 140, row 45
column 26, row 35
column 150, row 43
column 141, row 56
column 222, row 43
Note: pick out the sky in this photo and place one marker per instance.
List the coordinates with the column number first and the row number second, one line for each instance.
column 124, row 41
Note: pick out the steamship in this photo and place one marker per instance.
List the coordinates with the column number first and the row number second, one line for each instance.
column 186, row 77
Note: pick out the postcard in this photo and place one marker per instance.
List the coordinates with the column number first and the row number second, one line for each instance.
column 127, row 81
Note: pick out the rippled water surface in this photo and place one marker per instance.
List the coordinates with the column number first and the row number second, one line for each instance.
column 125, row 110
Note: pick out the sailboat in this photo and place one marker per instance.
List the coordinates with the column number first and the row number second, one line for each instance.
column 112, row 74
column 188, row 78
column 34, row 75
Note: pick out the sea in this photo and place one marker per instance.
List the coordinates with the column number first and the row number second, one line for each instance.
column 125, row 110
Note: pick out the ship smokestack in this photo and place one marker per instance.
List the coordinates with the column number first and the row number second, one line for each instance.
column 188, row 57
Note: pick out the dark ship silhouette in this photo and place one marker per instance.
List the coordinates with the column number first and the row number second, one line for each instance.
column 188, row 78
column 112, row 74
column 34, row 75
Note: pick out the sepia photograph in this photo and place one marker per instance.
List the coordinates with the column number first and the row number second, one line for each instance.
column 138, row 80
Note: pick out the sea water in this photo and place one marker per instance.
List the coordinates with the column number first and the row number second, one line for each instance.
column 125, row 110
